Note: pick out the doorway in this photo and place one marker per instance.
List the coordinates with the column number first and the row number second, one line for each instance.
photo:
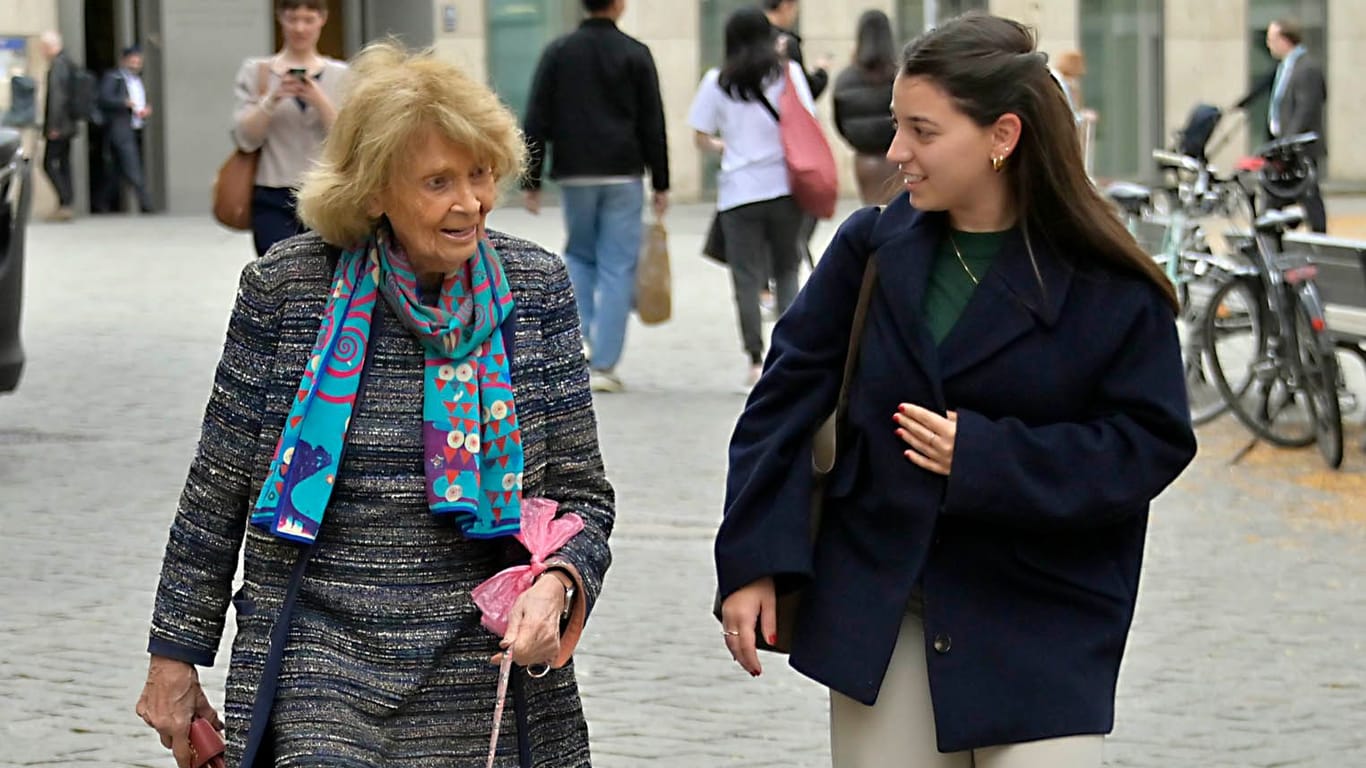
column 109, row 28
column 332, row 43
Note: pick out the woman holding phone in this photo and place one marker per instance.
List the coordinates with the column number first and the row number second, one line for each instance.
column 285, row 105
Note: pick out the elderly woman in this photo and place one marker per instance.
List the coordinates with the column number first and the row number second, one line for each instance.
column 392, row 385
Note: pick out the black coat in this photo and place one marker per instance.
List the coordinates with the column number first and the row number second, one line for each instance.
column 1072, row 416
column 56, row 105
column 595, row 100
column 863, row 111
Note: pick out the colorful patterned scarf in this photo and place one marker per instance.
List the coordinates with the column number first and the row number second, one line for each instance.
column 469, row 423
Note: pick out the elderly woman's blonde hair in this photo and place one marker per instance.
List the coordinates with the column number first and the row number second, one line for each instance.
column 393, row 95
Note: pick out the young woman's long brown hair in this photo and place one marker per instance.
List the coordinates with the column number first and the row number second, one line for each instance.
column 989, row 66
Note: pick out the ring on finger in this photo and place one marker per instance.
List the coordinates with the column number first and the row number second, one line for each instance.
column 731, row 632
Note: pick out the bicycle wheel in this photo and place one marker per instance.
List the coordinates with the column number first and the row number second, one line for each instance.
column 1318, row 365
column 1206, row 402
column 1249, row 378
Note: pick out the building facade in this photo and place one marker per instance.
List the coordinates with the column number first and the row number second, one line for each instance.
column 1149, row 62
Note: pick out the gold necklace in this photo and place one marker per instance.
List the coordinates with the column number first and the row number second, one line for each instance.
column 962, row 261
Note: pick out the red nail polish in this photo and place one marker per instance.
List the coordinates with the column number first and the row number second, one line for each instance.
column 772, row 639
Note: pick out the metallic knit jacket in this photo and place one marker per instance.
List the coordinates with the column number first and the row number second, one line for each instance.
column 271, row 333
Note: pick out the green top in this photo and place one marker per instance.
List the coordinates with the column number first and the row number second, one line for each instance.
column 950, row 287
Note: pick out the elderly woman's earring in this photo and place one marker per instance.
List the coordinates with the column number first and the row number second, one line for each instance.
column 998, row 162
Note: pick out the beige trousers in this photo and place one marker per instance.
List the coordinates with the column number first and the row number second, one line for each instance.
column 898, row 731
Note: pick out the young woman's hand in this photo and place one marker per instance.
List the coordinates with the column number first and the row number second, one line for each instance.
column 755, row 604
column 930, row 436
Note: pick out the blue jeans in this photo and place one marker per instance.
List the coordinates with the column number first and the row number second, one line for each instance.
column 603, row 221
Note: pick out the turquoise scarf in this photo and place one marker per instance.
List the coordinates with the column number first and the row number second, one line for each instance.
column 469, row 422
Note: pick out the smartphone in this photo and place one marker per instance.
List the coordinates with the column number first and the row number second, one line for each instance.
column 299, row 73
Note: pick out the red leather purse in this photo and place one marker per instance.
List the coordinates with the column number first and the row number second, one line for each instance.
column 206, row 746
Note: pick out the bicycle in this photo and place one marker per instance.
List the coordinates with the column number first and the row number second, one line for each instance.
column 1267, row 342
column 1176, row 235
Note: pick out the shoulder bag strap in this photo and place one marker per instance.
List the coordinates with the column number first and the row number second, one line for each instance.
column 262, row 77
column 769, row 107
column 825, row 442
column 865, row 295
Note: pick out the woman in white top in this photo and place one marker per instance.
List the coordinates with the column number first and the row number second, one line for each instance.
column 734, row 113
column 285, row 105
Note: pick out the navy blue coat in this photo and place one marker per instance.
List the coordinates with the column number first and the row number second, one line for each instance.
column 1072, row 416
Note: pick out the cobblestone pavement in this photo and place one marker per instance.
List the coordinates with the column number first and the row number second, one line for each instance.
column 1247, row 650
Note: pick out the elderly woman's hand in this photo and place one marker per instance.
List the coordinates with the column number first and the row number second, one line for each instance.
column 170, row 699
column 533, row 633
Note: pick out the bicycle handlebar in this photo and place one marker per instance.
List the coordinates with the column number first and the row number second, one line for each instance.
column 1177, row 160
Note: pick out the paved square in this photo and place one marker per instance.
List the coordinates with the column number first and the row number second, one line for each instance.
column 1247, row 650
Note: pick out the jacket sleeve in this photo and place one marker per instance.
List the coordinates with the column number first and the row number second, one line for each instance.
column 57, row 110
column 247, row 94
column 816, row 79
column 575, row 476
column 1306, row 112
column 206, row 534
column 538, row 126
column 650, row 127
column 1092, row 472
column 837, row 106
column 111, row 100
column 766, row 527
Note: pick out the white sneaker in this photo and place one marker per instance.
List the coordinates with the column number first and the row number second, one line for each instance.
column 605, row 381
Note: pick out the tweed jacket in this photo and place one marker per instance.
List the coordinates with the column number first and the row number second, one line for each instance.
column 271, row 333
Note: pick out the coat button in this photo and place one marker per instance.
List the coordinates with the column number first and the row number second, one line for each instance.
column 942, row 643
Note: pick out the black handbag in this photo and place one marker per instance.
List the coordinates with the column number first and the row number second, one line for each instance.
column 824, row 450
column 715, row 246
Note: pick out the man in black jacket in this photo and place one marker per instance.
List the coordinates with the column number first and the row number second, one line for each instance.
column 58, row 125
column 123, row 100
column 595, row 105
column 782, row 14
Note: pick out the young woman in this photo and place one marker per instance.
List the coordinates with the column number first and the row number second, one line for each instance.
column 1018, row 403
column 285, row 105
column 734, row 114
column 863, row 118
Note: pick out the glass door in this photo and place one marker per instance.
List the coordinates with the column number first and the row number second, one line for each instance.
column 1122, row 40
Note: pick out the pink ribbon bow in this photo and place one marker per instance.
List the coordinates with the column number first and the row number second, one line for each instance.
column 542, row 534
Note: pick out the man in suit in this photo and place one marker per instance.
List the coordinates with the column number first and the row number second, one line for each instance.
column 58, row 126
column 1298, row 94
column 123, row 100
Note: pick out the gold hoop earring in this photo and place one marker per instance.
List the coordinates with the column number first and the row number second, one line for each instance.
column 998, row 162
